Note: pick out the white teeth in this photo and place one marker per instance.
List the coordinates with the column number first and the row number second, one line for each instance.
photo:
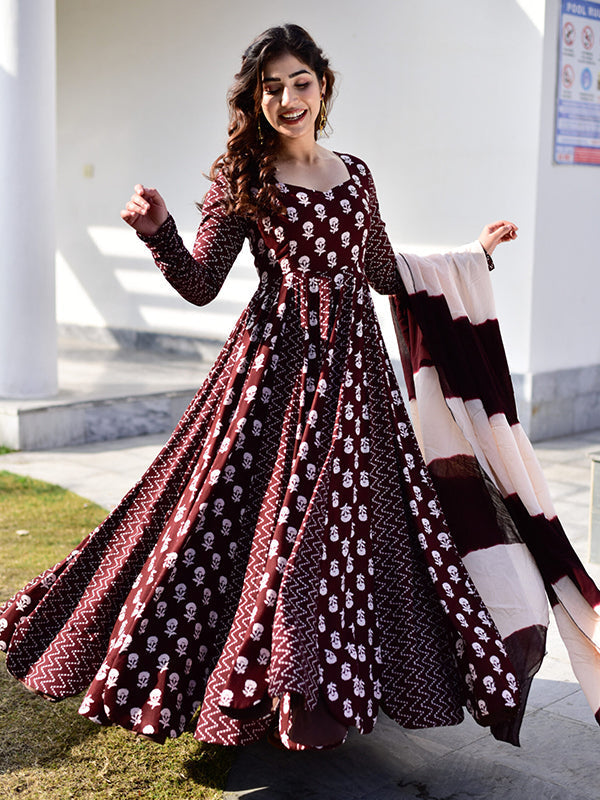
column 297, row 115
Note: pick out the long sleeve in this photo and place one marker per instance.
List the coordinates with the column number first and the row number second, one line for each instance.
column 198, row 276
column 380, row 260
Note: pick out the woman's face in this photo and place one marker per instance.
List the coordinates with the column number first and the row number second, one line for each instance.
column 291, row 98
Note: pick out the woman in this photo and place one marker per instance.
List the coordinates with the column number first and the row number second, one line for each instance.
column 268, row 568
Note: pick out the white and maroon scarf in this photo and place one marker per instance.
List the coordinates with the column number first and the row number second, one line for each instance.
column 489, row 481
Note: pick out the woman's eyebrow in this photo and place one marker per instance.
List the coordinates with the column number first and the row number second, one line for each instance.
column 293, row 75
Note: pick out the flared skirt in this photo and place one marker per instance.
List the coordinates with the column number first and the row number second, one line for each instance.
column 285, row 556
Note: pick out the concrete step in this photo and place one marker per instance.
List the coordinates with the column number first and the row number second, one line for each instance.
column 105, row 393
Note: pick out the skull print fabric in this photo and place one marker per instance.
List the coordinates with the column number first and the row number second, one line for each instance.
column 285, row 556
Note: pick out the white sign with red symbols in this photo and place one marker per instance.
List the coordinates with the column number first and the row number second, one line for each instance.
column 577, row 133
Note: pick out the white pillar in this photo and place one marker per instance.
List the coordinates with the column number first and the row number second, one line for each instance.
column 28, row 365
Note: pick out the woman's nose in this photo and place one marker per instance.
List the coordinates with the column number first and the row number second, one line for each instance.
column 287, row 96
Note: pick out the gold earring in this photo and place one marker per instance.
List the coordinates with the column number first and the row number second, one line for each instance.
column 322, row 116
column 261, row 138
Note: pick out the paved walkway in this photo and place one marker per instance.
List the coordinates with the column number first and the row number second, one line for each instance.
column 560, row 741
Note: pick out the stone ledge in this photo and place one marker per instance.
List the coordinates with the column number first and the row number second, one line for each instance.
column 106, row 392
column 44, row 424
column 559, row 403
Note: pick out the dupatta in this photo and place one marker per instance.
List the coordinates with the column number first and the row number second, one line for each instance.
column 490, row 484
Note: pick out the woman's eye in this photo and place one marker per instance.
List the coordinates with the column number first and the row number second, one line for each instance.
column 272, row 90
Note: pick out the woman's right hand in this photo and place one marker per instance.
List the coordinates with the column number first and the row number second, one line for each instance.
column 146, row 211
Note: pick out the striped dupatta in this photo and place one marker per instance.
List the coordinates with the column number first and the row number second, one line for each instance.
column 482, row 464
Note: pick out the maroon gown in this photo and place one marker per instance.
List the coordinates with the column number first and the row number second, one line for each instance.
column 287, row 542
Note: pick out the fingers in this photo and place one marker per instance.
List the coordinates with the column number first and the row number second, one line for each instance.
column 128, row 217
column 501, row 226
column 149, row 194
column 507, row 232
column 145, row 211
column 500, row 231
column 138, row 204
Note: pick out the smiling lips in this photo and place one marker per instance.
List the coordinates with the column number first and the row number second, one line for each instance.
column 293, row 116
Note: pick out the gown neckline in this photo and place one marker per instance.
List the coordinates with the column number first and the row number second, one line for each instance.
column 349, row 179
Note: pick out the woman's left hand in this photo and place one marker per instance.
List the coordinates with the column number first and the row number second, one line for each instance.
column 496, row 232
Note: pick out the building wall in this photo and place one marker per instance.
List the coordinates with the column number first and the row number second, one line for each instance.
column 561, row 391
column 564, row 309
column 451, row 104
column 431, row 94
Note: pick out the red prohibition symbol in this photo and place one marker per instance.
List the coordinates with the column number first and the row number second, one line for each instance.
column 569, row 34
column 587, row 37
column 568, row 76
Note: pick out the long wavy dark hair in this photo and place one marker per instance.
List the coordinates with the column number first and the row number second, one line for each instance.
column 247, row 164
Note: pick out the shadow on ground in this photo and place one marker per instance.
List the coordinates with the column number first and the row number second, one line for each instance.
column 557, row 761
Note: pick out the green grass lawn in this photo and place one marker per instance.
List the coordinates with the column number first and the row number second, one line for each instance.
column 46, row 749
